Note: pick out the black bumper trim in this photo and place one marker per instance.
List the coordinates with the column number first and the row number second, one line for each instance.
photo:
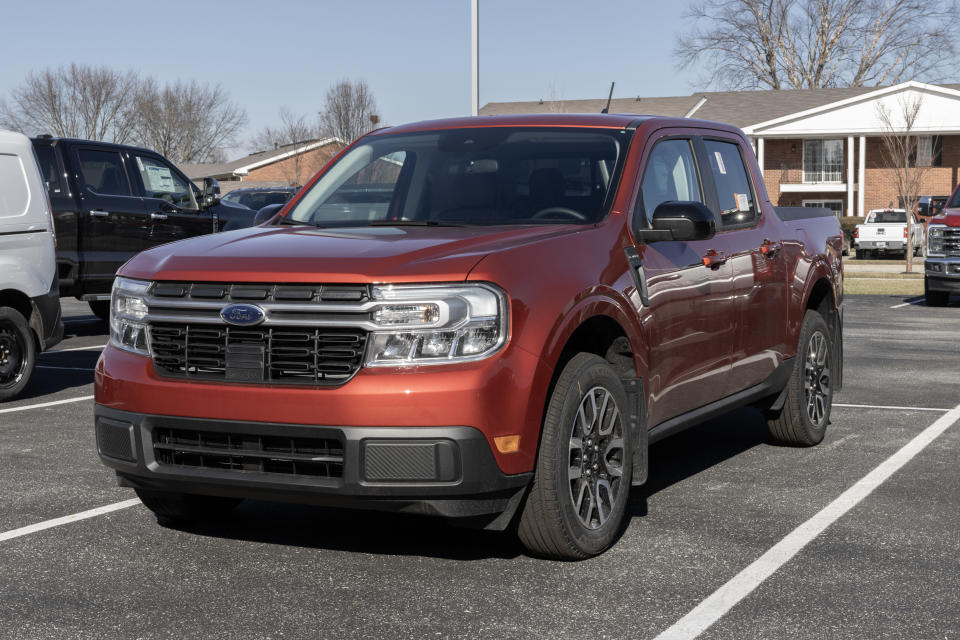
column 480, row 491
column 49, row 324
column 941, row 283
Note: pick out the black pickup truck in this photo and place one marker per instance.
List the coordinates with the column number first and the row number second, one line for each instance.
column 111, row 201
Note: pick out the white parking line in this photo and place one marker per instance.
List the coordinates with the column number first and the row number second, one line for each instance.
column 56, row 522
column 46, row 404
column 717, row 604
column 96, row 346
column 908, row 303
column 883, row 406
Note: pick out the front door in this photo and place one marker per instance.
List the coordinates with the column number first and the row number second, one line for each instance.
column 690, row 324
column 112, row 222
column 170, row 201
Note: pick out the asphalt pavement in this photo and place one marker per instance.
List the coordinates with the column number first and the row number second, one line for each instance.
column 719, row 497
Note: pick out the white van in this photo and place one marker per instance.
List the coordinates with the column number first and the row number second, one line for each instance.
column 29, row 296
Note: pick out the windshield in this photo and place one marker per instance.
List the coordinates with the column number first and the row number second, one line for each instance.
column 480, row 176
column 887, row 216
column 258, row 199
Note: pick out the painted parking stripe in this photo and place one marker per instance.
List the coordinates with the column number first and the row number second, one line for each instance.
column 46, row 404
column 884, row 406
column 908, row 303
column 76, row 517
column 90, row 348
column 717, row 604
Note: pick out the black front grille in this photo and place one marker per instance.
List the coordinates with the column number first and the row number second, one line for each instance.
column 318, row 457
column 283, row 355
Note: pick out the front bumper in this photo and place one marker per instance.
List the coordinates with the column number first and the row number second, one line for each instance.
column 942, row 274
column 442, row 471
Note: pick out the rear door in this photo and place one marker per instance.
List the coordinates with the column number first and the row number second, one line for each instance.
column 691, row 312
column 170, row 200
column 112, row 222
column 758, row 266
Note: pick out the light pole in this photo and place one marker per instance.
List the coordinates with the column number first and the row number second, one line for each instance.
column 475, row 56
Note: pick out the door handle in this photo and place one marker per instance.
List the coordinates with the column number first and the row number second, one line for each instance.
column 714, row 258
column 769, row 248
column 98, row 213
column 158, row 216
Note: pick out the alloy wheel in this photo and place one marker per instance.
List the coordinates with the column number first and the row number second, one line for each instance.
column 816, row 380
column 595, row 469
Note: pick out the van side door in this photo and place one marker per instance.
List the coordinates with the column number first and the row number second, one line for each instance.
column 170, row 200
column 112, row 222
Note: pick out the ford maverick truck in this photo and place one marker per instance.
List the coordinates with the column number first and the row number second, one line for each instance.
column 111, row 201
column 485, row 319
column 941, row 275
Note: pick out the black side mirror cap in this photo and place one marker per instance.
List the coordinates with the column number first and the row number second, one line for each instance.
column 211, row 192
column 266, row 214
column 685, row 221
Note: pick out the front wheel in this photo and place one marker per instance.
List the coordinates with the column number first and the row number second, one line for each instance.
column 101, row 309
column 806, row 409
column 18, row 353
column 934, row 298
column 576, row 505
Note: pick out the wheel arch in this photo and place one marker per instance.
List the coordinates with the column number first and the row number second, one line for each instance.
column 821, row 297
column 24, row 305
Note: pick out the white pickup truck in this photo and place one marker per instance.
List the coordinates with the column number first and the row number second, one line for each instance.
column 885, row 231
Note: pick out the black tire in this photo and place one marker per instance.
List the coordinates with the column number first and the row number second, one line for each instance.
column 935, row 298
column 551, row 525
column 18, row 353
column 186, row 507
column 805, row 414
column 101, row 309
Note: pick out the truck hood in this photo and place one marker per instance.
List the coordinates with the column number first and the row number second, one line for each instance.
column 949, row 217
column 341, row 255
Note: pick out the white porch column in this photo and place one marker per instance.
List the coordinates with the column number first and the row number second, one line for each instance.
column 760, row 157
column 862, row 173
column 849, row 211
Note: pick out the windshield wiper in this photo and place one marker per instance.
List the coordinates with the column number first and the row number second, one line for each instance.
column 414, row 223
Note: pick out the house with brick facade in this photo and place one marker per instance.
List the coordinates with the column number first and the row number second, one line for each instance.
column 817, row 147
column 291, row 164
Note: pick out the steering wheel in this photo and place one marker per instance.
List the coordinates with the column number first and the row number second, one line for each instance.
column 551, row 212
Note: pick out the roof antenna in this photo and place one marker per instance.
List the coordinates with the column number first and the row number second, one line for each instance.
column 606, row 109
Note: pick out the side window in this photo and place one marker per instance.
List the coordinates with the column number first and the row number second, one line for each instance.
column 48, row 169
column 670, row 175
column 734, row 190
column 15, row 191
column 103, row 172
column 160, row 181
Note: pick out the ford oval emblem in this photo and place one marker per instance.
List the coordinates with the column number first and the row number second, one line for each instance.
column 244, row 315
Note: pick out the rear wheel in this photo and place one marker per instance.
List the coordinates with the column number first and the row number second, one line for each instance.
column 806, row 409
column 934, row 298
column 576, row 505
column 186, row 507
column 101, row 309
column 18, row 353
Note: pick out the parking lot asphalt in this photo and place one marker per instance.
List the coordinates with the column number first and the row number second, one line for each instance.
column 719, row 497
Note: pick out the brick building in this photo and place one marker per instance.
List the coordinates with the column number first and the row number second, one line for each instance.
column 292, row 164
column 817, row 147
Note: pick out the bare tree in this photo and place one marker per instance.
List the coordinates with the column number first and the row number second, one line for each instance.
column 76, row 101
column 187, row 121
column 555, row 100
column 349, row 110
column 806, row 44
column 293, row 129
column 905, row 156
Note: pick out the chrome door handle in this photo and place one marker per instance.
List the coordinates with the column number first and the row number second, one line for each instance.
column 158, row 216
column 769, row 248
column 98, row 213
column 714, row 258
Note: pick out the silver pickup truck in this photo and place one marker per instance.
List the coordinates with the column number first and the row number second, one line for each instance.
column 885, row 231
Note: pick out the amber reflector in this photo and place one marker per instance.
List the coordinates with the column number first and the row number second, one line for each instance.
column 507, row 444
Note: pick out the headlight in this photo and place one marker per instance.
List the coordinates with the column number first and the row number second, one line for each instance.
column 128, row 309
column 436, row 324
column 935, row 240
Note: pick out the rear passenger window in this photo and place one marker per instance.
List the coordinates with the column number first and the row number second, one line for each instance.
column 670, row 176
column 14, row 189
column 48, row 169
column 103, row 172
column 737, row 205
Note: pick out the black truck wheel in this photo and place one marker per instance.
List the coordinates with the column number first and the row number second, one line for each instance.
column 101, row 309
column 186, row 507
column 576, row 504
column 806, row 409
column 934, row 298
column 18, row 353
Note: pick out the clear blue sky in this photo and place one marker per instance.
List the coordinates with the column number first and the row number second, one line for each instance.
column 414, row 54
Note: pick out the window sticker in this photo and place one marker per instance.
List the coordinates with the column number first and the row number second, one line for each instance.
column 720, row 165
column 160, row 179
column 743, row 202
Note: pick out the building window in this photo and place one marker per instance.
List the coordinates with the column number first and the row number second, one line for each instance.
column 823, row 161
column 834, row 205
column 929, row 152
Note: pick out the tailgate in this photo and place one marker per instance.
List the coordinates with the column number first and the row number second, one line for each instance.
column 875, row 232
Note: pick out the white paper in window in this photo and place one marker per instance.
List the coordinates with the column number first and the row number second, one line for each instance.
column 720, row 165
column 743, row 202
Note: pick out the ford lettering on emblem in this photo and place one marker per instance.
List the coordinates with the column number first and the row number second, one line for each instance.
column 244, row 315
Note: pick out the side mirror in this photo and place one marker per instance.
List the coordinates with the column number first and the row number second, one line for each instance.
column 685, row 221
column 211, row 192
column 267, row 213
